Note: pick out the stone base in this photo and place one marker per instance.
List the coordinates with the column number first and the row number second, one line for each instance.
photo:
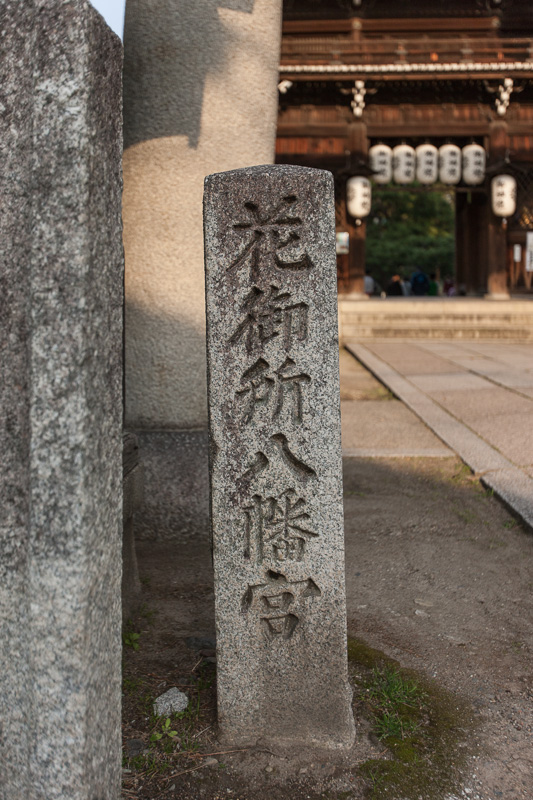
column 176, row 486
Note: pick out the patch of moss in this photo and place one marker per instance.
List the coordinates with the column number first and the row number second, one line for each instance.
column 463, row 475
column 424, row 727
column 361, row 654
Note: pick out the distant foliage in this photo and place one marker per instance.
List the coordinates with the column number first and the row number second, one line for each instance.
column 408, row 230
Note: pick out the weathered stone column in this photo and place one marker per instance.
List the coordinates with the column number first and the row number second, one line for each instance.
column 60, row 403
column 276, row 502
column 200, row 96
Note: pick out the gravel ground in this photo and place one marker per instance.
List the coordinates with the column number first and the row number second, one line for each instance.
column 439, row 577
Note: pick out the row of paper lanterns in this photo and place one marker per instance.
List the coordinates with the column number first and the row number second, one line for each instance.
column 359, row 196
column 428, row 164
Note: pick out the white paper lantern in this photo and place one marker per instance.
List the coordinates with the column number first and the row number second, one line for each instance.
column 503, row 195
column 403, row 163
column 358, row 196
column 380, row 159
column 473, row 164
column 427, row 163
column 449, row 164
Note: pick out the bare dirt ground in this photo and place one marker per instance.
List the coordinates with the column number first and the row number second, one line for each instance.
column 439, row 577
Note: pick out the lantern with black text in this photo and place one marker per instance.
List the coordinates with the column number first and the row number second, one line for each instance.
column 473, row 164
column 427, row 163
column 358, row 197
column 503, row 195
column 449, row 164
column 403, row 163
column 380, row 159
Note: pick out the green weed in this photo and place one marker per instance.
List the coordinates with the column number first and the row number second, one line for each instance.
column 423, row 727
column 165, row 731
column 140, row 763
column 131, row 639
column 392, row 698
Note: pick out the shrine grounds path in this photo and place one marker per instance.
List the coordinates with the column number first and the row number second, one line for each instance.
column 439, row 576
column 476, row 396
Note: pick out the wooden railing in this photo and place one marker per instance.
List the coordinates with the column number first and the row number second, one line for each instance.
column 328, row 50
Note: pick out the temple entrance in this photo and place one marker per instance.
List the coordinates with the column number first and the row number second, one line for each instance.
column 408, row 231
column 354, row 74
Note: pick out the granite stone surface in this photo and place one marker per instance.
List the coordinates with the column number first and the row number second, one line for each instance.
column 200, row 96
column 171, row 702
column 60, row 412
column 275, row 457
column 132, row 497
column 15, row 151
column 176, row 486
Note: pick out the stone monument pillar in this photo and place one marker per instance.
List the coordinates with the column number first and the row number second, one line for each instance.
column 276, row 491
column 60, row 403
column 200, row 96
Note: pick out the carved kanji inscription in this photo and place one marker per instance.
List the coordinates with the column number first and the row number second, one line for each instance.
column 272, row 239
column 279, row 604
column 268, row 314
column 277, row 528
column 264, row 390
column 278, row 450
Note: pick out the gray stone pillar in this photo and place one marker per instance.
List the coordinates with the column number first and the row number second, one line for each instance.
column 60, row 403
column 276, row 487
column 200, row 96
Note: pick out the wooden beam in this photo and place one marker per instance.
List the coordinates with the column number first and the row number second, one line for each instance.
column 470, row 25
column 310, row 77
column 463, row 25
column 314, row 26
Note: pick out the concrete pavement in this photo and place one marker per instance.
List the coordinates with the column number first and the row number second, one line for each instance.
column 476, row 397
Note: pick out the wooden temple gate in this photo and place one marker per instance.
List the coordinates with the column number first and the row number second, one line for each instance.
column 460, row 71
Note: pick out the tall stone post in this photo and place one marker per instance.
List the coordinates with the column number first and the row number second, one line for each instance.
column 60, row 403
column 200, row 96
column 276, row 494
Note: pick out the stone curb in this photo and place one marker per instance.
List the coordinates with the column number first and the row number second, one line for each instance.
column 392, row 452
column 509, row 483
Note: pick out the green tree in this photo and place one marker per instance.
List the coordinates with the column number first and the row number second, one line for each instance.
column 408, row 230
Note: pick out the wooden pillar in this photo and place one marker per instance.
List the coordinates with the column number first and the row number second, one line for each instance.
column 497, row 257
column 478, row 209
column 358, row 147
column 356, row 273
column 471, row 233
column 461, row 236
column 497, row 284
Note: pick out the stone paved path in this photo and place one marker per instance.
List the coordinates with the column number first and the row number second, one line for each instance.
column 476, row 396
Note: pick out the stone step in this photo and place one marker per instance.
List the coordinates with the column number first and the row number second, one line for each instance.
column 357, row 332
column 436, row 318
